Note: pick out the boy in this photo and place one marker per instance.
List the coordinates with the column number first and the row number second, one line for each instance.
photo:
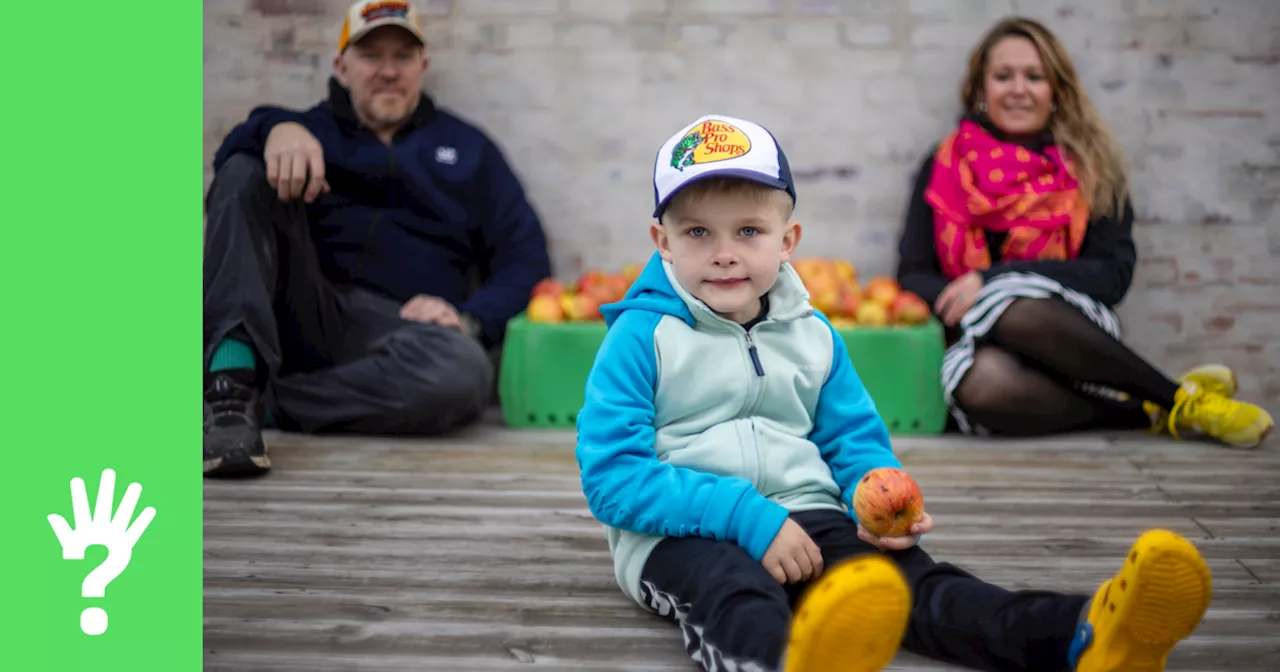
column 726, row 490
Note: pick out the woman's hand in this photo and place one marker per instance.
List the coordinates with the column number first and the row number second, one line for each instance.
column 957, row 298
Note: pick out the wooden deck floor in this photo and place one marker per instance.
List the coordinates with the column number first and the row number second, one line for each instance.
column 478, row 552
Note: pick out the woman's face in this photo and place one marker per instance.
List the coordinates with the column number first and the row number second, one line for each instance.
column 1015, row 89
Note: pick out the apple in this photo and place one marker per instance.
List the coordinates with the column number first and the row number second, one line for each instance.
column 548, row 287
column 846, row 271
column 545, row 308
column 630, row 272
column 909, row 308
column 872, row 314
column 816, row 274
column 616, row 286
column 580, row 307
column 827, row 300
column 842, row 322
column 888, row 502
column 589, row 278
column 850, row 299
column 882, row 290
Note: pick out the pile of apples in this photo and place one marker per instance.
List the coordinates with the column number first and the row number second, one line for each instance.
column 835, row 290
column 580, row 301
column 833, row 287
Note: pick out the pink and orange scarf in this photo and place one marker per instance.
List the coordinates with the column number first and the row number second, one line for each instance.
column 981, row 183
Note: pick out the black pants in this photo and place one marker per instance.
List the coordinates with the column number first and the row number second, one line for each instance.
column 731, row 609
column 338, row 359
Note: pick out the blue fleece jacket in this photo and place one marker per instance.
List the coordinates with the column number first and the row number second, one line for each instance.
column 696, row 426
column 432, row 213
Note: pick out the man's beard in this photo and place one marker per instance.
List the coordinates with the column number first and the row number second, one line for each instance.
column 387, row 116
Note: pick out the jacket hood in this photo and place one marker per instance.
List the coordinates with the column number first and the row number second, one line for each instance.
column 658, row 291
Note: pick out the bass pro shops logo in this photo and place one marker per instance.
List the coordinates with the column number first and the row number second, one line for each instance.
column 391, row 9
column 711, row 141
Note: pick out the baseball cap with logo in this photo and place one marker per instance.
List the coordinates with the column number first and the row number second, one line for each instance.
column 366, row 15
column 719, row 146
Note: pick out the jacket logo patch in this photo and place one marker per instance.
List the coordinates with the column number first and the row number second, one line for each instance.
column 446, row 155
column 710, row 142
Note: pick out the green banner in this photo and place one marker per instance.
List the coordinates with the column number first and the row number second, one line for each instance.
column 100, row 208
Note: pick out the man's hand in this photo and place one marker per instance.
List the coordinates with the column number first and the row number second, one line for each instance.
column 898, row 543
column 432, row 310
column 792, row 557
column 957, row 298
column 292, row 154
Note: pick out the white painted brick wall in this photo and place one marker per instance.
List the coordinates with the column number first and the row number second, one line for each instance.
column 580, row 93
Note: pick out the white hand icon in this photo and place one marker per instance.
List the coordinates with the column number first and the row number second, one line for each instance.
column 101, row 528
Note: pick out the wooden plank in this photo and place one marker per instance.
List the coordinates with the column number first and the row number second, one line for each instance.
column 477, row 552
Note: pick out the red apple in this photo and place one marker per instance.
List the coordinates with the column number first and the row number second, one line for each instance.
column 548, row 287
column 872, row 314
column 888, row 502
column 580, row 307
column 882, row 290
column 589, row 278
column 612, row 288
column 846, row 271
column 909, row 308
column 850, row 298
column 545, row 308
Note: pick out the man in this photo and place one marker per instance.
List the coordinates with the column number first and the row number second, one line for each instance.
column 343, row 250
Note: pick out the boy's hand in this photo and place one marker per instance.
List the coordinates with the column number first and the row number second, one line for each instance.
column 792, row 557
column 896, row 543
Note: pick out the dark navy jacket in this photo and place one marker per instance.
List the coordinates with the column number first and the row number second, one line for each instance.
column 435, row 212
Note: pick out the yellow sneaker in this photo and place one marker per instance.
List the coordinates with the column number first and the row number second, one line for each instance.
column 1234, row 423
column 1217, row 378
column 1158, row 598
column 852, row 619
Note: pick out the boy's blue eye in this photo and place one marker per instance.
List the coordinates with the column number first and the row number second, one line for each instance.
column 749, row 231
column 697, row 232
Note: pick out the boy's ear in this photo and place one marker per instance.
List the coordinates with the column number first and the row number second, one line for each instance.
column 660, row 239
column 790, row 239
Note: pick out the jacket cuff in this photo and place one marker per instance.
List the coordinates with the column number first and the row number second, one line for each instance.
column 755, row 523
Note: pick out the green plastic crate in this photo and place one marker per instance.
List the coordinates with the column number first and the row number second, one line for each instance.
column 544, row 371
column 901, row 368
column 543, row 376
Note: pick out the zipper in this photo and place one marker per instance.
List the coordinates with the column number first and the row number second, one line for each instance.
column 752, row 401
column 755, row 355
column 377, row 219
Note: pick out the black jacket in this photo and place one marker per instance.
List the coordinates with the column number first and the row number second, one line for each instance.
column 432, row 213
column 1103, row 270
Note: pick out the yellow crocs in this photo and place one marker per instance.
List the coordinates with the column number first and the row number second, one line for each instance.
column 1234, row 423
column 1137, row 616
column 852, row 619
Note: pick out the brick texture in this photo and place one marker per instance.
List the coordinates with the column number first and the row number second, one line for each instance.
column 580, row 92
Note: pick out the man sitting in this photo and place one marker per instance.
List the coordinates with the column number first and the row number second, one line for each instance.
column 343, row 250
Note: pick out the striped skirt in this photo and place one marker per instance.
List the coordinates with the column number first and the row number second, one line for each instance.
column 992, row 300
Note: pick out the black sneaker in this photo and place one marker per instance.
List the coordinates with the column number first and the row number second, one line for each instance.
column 233, row 412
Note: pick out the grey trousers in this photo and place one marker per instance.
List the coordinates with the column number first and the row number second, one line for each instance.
column 338, row 359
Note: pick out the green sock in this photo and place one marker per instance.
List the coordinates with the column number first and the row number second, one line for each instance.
column 233, row 354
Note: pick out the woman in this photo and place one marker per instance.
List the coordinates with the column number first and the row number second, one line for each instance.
column 1019, row 235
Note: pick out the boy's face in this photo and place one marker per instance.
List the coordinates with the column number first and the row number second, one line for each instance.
column 726, row 250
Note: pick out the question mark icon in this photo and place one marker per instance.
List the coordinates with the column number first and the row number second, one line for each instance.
column 101, row 528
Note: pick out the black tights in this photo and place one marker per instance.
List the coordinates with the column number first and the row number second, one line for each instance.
column 1018, row 384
